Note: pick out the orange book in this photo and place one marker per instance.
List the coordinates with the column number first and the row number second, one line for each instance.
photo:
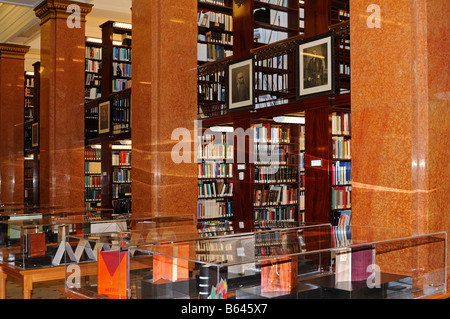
column 113, row 270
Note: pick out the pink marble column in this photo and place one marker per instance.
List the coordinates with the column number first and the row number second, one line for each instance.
column 401, row 116
column 12, row 62
column 164, row 99
column 62, row 103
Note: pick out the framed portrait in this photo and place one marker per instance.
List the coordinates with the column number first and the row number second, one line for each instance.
column 316, row 66
column 103, row 117
column 35, row 135
column 241, row 84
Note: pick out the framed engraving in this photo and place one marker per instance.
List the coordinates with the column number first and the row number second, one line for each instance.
column 241, row 84
column 104, row 117
column 316, row 66
column 35, row 135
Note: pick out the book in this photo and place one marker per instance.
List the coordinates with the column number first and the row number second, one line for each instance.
column 36, row 245
column 113, row 274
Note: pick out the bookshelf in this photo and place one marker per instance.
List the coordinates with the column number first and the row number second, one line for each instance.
column 215, row 182
column 341, row 178
column 93, row 176
column 31, row 135
column 93, row 69
column 116, row 57
column 121, row 177
column 215, row 30
column 278, row 174
column 29, row 96
column 275, row 20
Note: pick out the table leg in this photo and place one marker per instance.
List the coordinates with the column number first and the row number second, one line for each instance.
column 2, row 284
column 27, row 287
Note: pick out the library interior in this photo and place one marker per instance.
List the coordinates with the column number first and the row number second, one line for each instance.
column 224, row 149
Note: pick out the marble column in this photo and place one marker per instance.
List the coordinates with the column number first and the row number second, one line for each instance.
column 400, row 115
column 164, row 100
column 12, row 92
column 62, row 102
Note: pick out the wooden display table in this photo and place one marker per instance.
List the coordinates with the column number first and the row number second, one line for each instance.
column 29, row 276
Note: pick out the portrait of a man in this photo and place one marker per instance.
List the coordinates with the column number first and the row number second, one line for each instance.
column 240, row 83
column 316, row 66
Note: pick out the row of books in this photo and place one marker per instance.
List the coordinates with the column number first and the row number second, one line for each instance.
column 341, row 197
column 29, row 113
column 93, row 93
column 272, row 16
column 341, row 147
column 120, row 84
column 122, row 205
column 266, row 36
column 213, row 151
column 275, row 217
column 276, row 174
column 272, row 81
column 93, row 79
column 275, row 154
column 121, row 190
column 219, row 21
column 121, row 158
column 267, row 100
column 29, row 92
column 342, row 236
column 215, row 170
column 92, row 194
column 93, row 66
column 29, row 103
column 341, row 173
column 29, row 82
column 92, row 167
column 121, row 115
column 212, row 92
column 216, row 2
column 341, row 218
column 91, row 154
column 216, row 37
column 270, row 133
column 276, row 195
column 122, row 69
column 121, row 175
column 93, row 181
column 211, row 52
column 214, row 228
column 211, row 208
column 341, row 123
column 93, row 53
column 281, row 3
column 121, row 54
column 214, row 189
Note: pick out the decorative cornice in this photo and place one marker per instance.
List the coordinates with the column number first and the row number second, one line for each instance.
column 13, row 51
column 57, row 9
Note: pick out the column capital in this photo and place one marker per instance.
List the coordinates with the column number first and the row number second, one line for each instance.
column 13, row 51
column 57, row 9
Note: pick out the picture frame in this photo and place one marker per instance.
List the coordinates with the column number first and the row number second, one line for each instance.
column 241, row 84
column 104, row 117
column 35, row 135
column 316, row 66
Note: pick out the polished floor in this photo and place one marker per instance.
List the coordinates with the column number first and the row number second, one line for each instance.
column 44, row 290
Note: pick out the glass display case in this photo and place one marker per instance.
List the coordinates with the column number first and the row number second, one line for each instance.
column 317, row 261
column 31, row 241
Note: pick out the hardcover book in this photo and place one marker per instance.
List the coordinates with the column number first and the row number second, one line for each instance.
column 36, row 246
column 113, row 270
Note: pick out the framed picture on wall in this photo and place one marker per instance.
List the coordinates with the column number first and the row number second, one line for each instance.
column 35, row 135
column 103, row 117
column 241, row 84
column 316, row 66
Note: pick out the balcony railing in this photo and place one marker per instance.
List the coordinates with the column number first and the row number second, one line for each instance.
column 275, row 74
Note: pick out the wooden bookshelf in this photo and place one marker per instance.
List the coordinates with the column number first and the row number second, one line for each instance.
column 215, row 182
column 215, row 30
column 275, row 20
column 93, row 69
column 31, row 142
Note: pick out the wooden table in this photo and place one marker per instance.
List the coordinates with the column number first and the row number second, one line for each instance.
column 29, row 276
